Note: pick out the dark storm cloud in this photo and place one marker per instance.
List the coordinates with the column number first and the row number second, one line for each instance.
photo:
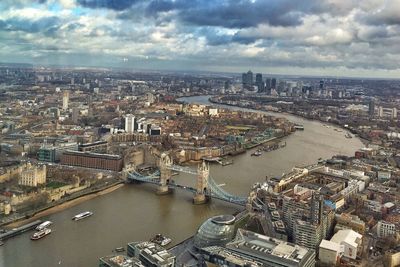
column 224, row 13
column 47, row 25
column 118, row 5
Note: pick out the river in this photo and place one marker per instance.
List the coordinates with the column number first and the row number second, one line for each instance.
column 134, row 212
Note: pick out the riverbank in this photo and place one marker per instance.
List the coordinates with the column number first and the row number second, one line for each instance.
column 363, row 140
column 65, row 205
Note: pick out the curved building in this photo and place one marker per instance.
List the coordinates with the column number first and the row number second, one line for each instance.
column 216, row 231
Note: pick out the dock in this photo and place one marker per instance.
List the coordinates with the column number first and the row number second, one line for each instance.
column 19, row 230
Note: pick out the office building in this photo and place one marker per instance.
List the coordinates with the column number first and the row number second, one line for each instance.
column 260, row 83
column 95, row 147
column 119, row 261
column 47, row 153
column 268, row 85
column 65, row 100
column 307, row 221
column 216, row 231
column 92, row 160
column 321, row 85
column 129, row 123
column 390, row 113
column 247, row 79
column 150, row 254
column 371, row 108
column 385, row 229
column 349, row 221
column 75, row 114
column 252, row 249
column 273, row 83
column 350, row 242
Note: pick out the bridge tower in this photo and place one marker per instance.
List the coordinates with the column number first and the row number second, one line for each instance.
column 203, row 172
column 165, row 174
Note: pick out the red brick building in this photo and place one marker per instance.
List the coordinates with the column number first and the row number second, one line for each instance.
column 92, row 160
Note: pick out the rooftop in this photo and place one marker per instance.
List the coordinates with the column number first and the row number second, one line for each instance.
column 93, row 155
column 263, row 247
column 153, row 252
column 120, row 261
column 329, row 245
column 348, row 236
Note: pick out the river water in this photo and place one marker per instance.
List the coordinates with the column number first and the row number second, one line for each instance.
column 134, row 212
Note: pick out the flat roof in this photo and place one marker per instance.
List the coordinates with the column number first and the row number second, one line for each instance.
column 93, row 144
column 329, row 245
column 266, row 248
column 93, row 155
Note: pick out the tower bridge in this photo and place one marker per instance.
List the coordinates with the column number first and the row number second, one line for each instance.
column 206, row 187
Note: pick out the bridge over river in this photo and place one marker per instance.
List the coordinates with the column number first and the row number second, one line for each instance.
column 206, row 187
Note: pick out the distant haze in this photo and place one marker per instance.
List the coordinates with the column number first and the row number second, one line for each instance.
column 353, row 38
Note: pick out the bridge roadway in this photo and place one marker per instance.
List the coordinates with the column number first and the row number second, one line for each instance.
column 213, row 189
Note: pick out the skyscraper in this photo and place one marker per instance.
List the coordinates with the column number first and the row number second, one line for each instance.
column 75, row 114
column 247, row 79
column 371, row 108
column 273, row 83
column 260, row 83
column 268, row 84
column 321, row 85
column 129, row 123
column 65, row 100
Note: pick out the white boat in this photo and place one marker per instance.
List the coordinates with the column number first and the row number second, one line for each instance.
column 41, row 234
column 82, row 215
column 43, row 225
column 166, row 241
column 161, row 240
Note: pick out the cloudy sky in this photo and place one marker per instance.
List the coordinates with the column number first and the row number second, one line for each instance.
column 314, row 37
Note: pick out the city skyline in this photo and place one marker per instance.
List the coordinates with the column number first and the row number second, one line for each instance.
column 329, row 38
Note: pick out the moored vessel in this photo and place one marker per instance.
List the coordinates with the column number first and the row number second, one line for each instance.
column 82, row 215
column 40, row 234
column 161, row 240
column 43, row 225
column 299, row 127
column 257, row 153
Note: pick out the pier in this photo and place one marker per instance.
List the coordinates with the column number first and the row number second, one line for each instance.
column 19, row 230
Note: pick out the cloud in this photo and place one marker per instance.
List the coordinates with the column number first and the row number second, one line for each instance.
column 388, row 14
column 110, row 4
column 47, row 25
column 227, row 35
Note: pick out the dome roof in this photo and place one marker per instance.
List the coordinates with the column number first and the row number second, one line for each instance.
column 216, row 231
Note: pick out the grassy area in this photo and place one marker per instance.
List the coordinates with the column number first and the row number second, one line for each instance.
column 54, row 184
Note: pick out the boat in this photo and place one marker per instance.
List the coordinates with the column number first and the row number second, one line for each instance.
column 43, row 225
column 161, row 240
column 348, row 135
column 119, row 249
column 82, row 215
column 299, row 127
column 257, row 153
column 41, row 234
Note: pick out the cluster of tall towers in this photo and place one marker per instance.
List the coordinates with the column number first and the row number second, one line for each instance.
column 263, row 86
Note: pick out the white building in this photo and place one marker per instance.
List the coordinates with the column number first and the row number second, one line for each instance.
column 129, row 123
column 329, row 252
column 350, row 242
column 385, row 229
column 387, row 112
column 33, row 175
